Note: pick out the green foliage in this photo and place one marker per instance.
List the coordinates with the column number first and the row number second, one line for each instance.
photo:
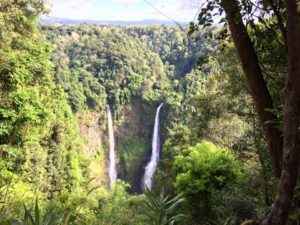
column 38, row 132
column 179, row 139
column 43, row 91
column 161, row 209
column 203, row 170
column 49, row 217
column 133, row 148
column 98, row 68
column 119, row 208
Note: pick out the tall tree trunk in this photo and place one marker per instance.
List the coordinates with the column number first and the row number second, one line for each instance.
column 255, row 80
column 291, row 123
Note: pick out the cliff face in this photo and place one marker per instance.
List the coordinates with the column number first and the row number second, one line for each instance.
column 133, row 129
column 90, row 132
column 93, row 150
column 133, row 137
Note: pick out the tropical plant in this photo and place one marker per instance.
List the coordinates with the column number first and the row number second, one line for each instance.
column 48, row 218
column 162, row 209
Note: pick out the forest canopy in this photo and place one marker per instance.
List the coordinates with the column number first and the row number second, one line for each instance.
column 227, row 133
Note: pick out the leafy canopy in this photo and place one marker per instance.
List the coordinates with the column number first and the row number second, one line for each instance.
column 204, row 168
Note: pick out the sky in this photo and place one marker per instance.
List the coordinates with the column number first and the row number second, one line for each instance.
column 178, row 10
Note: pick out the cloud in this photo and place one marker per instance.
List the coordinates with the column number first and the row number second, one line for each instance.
column 180, row 10
column 70, row 8
column 128, row 2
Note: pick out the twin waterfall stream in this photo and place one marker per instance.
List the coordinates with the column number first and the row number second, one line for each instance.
column 151, row 166
column 112, row 170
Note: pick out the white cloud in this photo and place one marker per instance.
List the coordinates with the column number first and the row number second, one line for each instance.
column 179, row 10
column 127, row 2
column 70, row 8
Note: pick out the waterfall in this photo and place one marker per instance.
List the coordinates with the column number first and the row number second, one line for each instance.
column 152, row 165
column 112, row 171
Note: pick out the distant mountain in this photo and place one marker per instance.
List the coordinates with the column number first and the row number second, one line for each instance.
column 65, row 21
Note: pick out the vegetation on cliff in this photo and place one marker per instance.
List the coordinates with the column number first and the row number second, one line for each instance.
column 222, row 132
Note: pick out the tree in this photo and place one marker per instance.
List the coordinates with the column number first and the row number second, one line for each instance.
column 203, row 170
column 291, row 122
column 256, row 82
column 38, row 134
column 236, row 14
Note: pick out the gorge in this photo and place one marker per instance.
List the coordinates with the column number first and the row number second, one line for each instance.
column 119, row 125
column 94, row 71
column 149, row 167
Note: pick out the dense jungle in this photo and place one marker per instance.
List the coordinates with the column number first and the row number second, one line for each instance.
column 184, row 124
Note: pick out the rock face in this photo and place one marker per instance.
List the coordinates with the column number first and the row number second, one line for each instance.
column 133, row 129
column 91, row 132
column 93, row 148
column 133, row 142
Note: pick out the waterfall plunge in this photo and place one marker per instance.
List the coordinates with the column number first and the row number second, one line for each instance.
column 152, row 165
column 112, row 171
